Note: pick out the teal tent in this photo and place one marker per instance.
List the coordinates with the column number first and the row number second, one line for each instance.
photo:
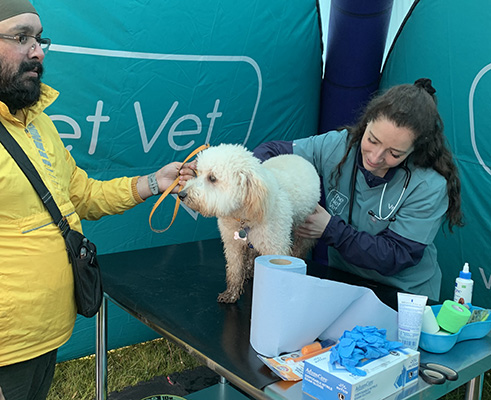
column 445, row 40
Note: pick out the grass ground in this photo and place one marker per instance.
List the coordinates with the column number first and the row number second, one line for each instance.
column 75, row 379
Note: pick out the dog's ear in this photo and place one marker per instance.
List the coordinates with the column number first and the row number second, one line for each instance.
column 256, row 195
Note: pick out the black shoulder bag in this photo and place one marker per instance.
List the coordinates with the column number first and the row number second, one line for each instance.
column 81, row 252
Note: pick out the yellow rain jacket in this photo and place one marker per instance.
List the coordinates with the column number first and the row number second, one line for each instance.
column 37, row 307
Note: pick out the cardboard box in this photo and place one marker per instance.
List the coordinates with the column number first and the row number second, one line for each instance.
column 385, row 376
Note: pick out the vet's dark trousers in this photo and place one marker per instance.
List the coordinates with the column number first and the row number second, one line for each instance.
column 28, row 380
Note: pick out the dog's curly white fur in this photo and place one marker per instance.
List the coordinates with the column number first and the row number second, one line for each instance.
column 266, row 201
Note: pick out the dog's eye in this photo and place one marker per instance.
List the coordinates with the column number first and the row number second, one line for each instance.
column 212, row 178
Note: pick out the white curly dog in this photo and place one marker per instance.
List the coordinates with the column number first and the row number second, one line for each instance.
column 257, row 205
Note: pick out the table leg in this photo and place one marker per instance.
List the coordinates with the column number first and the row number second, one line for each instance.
column 101, row 352
column 473, row 389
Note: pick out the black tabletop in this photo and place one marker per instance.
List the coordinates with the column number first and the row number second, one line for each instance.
column 173, row 289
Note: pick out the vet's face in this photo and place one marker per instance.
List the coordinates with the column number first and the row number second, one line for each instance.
column 385, row 145
column 217, row 191
column 20, row 65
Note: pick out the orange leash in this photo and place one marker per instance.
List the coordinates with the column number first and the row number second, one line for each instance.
column 169, row 189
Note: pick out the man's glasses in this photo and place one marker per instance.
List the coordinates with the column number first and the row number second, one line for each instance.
column 29, row 42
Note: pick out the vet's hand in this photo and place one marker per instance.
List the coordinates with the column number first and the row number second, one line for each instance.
column 314, row 224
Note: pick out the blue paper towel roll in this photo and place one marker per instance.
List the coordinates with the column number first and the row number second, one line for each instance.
column 274, row 283
column 283, row 263
column 291, row 309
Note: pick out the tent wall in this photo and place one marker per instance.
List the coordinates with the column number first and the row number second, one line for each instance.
column 445, row 40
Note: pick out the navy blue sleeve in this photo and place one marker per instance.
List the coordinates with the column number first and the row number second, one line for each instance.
column 273, row 148
column 387, row 252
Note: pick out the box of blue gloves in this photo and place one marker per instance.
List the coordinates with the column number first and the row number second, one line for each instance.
column 363, row 365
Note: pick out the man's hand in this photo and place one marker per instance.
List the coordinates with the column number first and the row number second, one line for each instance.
column 187, row 172
column 165, row 177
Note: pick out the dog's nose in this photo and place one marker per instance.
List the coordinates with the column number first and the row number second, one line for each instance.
column 182, row 194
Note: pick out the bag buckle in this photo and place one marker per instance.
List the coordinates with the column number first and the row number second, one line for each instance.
column 87, row 250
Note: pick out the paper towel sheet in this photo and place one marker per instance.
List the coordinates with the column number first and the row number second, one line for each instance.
column 291, row 309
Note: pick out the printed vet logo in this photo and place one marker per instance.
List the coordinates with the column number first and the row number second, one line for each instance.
column 336, row 202
column 170, row 102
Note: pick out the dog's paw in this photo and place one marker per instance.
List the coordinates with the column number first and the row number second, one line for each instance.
column 229, row 296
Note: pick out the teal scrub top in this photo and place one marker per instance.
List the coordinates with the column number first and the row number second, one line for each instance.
column 419, row 214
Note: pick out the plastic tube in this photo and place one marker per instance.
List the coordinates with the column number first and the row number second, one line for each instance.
column 316, row 346
column 411, row 308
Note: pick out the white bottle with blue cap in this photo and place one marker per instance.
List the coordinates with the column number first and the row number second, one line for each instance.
column 463, row 286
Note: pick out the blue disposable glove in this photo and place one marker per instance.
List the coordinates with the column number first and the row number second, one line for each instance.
column 360, row 345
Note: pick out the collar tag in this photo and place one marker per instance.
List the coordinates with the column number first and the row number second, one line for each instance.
column 240, row 235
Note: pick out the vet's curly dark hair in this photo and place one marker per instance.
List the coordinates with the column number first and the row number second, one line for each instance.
column 415, row 107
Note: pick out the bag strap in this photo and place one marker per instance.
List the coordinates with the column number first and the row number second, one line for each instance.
column 20, row 157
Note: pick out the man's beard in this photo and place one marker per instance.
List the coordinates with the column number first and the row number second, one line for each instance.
column 18, row 91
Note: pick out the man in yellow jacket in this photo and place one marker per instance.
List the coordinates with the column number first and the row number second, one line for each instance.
column 37, row 308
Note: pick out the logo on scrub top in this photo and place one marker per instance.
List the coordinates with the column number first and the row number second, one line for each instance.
column 336, row 202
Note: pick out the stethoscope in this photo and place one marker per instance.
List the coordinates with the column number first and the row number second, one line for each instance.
column 389, row 217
